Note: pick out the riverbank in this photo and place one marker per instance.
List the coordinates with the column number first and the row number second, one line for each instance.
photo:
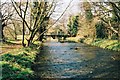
column 102, row 43
column 16, row 64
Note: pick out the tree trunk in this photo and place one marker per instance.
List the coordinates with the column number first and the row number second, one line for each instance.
column 109, row 34
column 119, row 33
column 23, row 44
column 0, row 23
column 33, row 33
column 2, row 38
column 30, row 39
column 15, row 31
column 41, row 31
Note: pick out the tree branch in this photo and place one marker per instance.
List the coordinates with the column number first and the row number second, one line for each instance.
column 56, row 20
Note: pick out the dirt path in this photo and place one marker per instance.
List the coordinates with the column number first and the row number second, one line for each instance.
column 9, row 47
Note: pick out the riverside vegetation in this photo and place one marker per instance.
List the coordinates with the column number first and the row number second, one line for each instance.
column 17, row 63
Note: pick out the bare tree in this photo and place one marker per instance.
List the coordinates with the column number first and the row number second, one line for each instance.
column 105, row 11
column 6, row 13
column 40, row 10
column 21, row 9
column 116, row 11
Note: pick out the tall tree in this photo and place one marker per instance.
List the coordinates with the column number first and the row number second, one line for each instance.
column 39, row 11
column 90, row 20
column 87, row 8
column 73, row 25
column 116, row 12
column 6, row 12
column 108, row 12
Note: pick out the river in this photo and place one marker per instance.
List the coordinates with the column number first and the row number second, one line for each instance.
column 76, row 60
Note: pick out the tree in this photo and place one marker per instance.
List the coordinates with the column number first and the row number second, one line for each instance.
column 108, row 12
column 100, row 30
column 45, row 7
column 89, row 19
column 73, row 25
column 39, row 11
column 6, row 13
column 44, row 11
column 116, row 12
column 87, row 9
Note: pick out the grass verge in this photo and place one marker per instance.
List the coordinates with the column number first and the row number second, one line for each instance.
column 17, row 64
column 104, row 43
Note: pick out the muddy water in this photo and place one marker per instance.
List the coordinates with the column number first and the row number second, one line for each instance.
column 76, row 60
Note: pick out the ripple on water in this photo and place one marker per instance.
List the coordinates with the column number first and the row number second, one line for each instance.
column 58, row 60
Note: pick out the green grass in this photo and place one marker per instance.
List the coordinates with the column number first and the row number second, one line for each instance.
column 18, row 65
column 72, row 39
column 105, row 43
column 102, row 43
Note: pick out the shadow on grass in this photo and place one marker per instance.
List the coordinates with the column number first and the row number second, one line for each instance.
column 22, row 59
column 12, row 72
column 18, row 66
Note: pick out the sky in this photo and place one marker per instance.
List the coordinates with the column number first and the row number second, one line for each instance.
column 61, row 6
column 73, row 8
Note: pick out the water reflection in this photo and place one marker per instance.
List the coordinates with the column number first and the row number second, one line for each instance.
column 71, row 60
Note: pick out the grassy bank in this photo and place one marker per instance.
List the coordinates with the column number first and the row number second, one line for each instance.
column 104, row 43
column 73, row 39
column 17, row 64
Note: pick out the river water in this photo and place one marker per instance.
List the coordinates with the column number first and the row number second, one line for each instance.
column 76, row 60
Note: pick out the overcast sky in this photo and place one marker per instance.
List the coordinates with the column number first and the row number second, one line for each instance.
column 73, row 8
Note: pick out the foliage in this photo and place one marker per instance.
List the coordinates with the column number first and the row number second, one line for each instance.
column 109, row 14
column 100, row 30
column 87, row 8
column 89, row 15
column 73, row 25
column 104, row 43
column 18, row 65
